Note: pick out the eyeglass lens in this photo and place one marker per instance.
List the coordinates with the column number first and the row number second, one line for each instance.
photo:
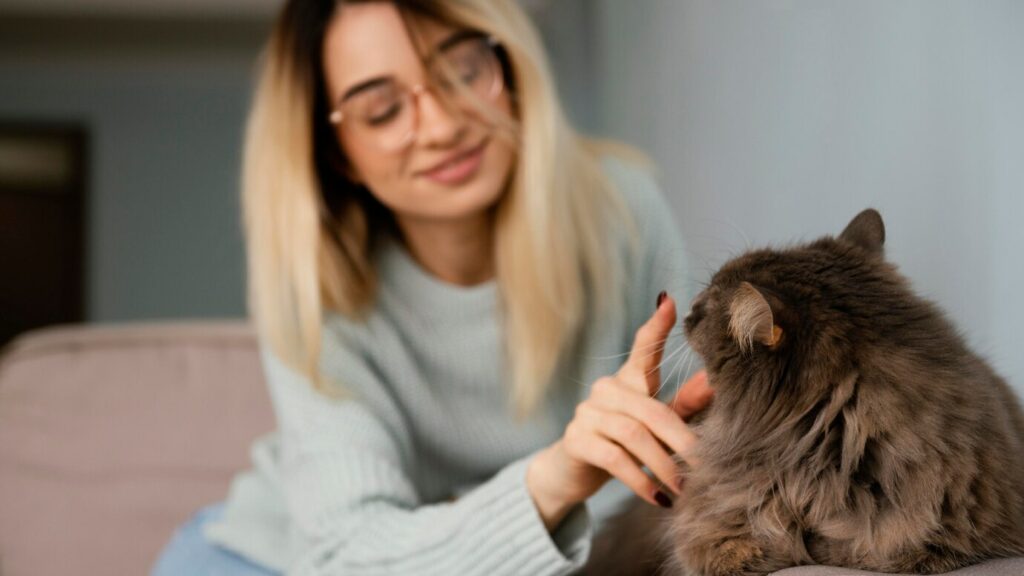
column 465, row 74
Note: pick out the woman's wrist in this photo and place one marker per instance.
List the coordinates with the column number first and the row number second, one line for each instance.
column 551, row 499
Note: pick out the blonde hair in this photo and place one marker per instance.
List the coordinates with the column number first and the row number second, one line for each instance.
column 308, row 229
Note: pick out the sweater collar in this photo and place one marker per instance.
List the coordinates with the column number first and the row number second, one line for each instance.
column 403, row 277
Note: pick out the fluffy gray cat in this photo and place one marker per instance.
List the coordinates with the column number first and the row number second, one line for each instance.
column 851, row 426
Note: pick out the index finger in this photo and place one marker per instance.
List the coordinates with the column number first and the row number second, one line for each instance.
column 666, row 426
column 641, row 369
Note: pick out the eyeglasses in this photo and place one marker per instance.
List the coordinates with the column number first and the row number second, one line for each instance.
column 464, row 74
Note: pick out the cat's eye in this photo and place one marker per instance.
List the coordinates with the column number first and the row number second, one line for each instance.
column 697, row 313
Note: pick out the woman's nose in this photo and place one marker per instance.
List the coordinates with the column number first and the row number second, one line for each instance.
column 439, row 123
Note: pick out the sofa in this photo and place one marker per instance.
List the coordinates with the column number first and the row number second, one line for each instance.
column 111, row 436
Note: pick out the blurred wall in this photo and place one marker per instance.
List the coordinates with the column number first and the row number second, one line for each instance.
column 163, row 90
column 164, row 101
column 779, row 120
column 771, row 121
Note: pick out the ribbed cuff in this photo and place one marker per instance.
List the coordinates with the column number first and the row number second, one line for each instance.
column 535, row 550
column 493, row 530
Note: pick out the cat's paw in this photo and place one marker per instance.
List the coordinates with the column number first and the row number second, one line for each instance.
column 937, row 565
column 736, row 558
column 935, row 560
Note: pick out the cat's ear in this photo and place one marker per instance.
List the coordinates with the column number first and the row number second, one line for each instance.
column 751, row 319
column 867, row 231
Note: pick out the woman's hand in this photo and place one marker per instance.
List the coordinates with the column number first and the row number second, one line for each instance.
column 620, row 428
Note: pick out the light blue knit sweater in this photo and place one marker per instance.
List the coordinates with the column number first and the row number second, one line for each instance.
column 423, row 471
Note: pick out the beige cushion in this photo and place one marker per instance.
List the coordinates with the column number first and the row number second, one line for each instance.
column 112, row 436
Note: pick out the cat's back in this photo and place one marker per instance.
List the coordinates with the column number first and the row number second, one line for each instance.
column 940, row 434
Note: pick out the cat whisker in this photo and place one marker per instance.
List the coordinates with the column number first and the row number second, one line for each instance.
column 688, row 369
column 725, row 241
column 685, row 349
column 668, row 377
column 683, row 364
column 665, row 360
column 652, row 347
column 685, row 369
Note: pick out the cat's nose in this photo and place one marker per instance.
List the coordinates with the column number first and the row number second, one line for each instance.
column 693, row 318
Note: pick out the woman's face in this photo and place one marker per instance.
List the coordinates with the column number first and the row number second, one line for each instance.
column 452, row 167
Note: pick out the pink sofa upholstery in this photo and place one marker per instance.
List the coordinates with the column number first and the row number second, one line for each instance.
column 112, row 436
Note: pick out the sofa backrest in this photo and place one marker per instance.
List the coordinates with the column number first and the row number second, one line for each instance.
column 112, row 436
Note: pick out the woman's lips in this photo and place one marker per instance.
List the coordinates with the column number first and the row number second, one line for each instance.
column 460, row 169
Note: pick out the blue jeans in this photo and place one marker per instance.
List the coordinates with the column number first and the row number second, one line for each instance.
column 188, row 553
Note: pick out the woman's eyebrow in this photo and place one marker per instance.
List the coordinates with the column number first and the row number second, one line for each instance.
column 445, row 43
column 364, row 85
column 453, row 38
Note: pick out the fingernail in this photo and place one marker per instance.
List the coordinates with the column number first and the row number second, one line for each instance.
column 662, row 499
column 661, row 298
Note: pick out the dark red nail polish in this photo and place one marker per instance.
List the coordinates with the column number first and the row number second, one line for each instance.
column 662, row 499
column 661, row 298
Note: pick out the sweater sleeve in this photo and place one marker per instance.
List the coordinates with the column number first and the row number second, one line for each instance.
column 354, row 510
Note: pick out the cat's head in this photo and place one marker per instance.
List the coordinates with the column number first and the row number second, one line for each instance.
column 773, row 312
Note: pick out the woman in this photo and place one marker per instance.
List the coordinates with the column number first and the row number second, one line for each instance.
column 443, row 276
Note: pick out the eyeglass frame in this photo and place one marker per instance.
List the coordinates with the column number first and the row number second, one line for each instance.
column 335, row 117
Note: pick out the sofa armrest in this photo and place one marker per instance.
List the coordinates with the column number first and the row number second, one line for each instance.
column 110, row 436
